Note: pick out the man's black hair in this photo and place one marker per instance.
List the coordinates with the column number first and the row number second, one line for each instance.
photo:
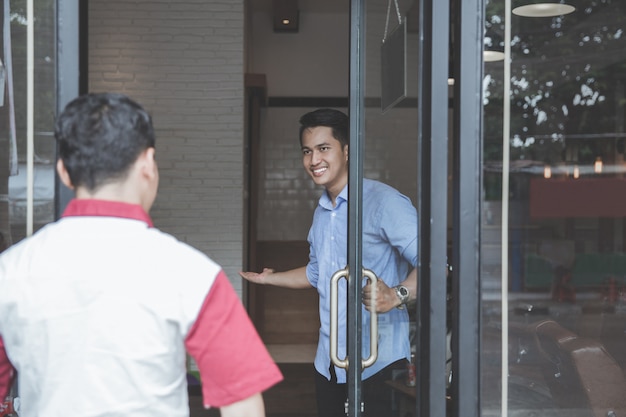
column 335, row 119
column 3, row 243
column 100, row 136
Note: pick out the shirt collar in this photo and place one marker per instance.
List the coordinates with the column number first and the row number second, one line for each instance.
column 106, row 208
column 327, row 204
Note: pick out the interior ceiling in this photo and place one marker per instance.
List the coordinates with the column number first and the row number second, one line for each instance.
column 338, row 6
column 331, row 6
column 589, row 16
column 311, row 6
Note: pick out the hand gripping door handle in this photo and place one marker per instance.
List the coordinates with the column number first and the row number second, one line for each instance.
column 334, row 321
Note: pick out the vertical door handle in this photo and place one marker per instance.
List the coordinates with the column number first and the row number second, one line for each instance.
column 334, row 321
column 371, row 276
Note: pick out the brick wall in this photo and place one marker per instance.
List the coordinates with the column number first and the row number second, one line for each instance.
column 184, row 61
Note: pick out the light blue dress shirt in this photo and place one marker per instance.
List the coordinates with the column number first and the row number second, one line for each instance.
column 389, row 250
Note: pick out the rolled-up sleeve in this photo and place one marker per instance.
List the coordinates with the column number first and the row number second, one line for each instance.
column 400, row 229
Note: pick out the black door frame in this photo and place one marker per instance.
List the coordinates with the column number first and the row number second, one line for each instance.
column 432, row 206
column 355, row 185
column 71, row 79
column 468, row 24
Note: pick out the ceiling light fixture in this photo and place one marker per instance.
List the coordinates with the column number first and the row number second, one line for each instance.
column 494, row 46
column 285, row 15
column 493, row 56
column 597, row 166
column 545, row 9
column 547, row 172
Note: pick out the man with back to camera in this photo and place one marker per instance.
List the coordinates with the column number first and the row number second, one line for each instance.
column 98, row 309
column 389, row 250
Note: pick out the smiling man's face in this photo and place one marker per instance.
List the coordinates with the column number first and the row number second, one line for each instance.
column 324, row 159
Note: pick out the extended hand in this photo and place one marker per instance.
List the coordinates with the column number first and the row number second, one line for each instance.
column 386, row 298
column 257, row 277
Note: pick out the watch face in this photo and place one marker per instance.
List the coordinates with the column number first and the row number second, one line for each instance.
column 403, row 293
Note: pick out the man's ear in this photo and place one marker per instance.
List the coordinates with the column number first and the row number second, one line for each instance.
column 345, row 151
column 64, row 175
column 148, row 166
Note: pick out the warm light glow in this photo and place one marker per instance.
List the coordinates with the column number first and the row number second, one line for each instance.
column 543, row 10
column 597, row 166
column 547, row 172
column 450, row 81
column 576, row 172
column 286, row 21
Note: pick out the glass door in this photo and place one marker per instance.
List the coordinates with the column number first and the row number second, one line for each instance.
column 552, row 212
column 518, row 181
column 401, row 104
column 382, row 190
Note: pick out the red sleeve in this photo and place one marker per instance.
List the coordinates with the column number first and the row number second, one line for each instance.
column 231, row 357
column 6, row 371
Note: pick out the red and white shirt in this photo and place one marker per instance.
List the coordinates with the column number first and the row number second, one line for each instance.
column 98, row 311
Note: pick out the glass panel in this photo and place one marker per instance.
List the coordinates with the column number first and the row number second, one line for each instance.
column 13, row 143
column 553, row 209
column 390, row 157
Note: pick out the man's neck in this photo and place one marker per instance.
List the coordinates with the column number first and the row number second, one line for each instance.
column 334, row 191
column 109, row 192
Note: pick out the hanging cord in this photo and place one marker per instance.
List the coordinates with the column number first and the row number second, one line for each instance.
column 387, row 19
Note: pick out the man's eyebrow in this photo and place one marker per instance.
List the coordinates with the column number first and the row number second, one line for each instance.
column 318, row 145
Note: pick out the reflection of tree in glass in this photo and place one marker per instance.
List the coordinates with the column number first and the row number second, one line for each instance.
column 44, row 90
column 45, row 73
column 567, row 82
column 4, row 147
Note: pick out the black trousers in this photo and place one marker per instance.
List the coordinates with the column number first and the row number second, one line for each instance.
column 377, row 396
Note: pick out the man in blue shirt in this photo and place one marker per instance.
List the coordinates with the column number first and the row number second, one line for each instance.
column 389, row 250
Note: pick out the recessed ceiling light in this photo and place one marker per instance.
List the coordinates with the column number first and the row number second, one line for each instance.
column 543, row 10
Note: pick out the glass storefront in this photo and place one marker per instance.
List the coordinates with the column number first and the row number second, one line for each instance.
column 553, row 261
column 27, row 153
column 553, row 201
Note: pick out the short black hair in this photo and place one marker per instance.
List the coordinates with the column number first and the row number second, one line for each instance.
column 335, row 119
column 100, row 136
column 3, row 243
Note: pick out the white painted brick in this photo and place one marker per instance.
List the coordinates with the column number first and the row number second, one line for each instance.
column 184, row 62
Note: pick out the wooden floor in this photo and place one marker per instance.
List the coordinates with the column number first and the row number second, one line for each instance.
column 293, row 397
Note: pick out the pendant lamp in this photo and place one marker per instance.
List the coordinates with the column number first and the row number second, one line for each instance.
column 542, row 8
column 493, row 47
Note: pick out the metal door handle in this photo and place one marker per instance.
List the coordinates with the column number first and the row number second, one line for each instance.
column 334, row 321
column 373, row 320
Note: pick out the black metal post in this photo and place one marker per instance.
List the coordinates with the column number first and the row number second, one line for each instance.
column 355, row 185
column 467, row 139
column 432, row 206
column 69, row 37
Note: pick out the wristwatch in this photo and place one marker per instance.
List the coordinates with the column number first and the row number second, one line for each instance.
column 403, row 295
